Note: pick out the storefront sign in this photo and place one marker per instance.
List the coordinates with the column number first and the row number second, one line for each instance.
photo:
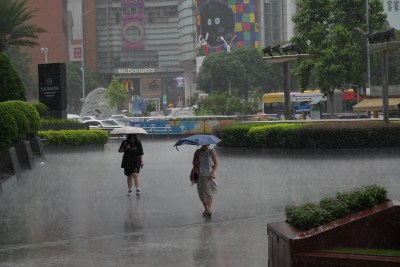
column 135, row 71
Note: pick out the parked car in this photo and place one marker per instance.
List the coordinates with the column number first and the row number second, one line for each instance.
column 120, row 119
column 73, row 117
column 118, row 116
column 103, row 124
column 86, row 118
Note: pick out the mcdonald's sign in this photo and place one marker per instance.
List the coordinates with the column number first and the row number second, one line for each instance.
column 128, row 84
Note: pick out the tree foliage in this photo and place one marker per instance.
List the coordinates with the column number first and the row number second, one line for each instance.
column 11, row 86
column 243, row 70
column 224, row 104
column 74, row 85
column 22, row 60
column 325, row 30
column 116, row 93
column 14, row 29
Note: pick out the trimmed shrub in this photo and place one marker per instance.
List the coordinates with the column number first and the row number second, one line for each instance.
column 41, row 109
column 62, row 124
column 235, row 136
column 368, row 134
column 310, row 215
column 11, row 86
column 307, row 216
column 74, row 137
column 20, row 119
column 8, row 127
column 30, row 112
column 275, row 135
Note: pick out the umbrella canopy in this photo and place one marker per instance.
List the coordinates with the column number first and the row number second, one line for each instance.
column 128, row 130
column 198, row 140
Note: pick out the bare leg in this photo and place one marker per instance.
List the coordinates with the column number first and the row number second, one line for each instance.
column 209, row 204
column 136, row 179
column 130, row 181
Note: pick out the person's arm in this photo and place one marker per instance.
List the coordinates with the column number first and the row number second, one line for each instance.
column 196, row 159
column 141, row 154
column 122, row 147
column 214, row 167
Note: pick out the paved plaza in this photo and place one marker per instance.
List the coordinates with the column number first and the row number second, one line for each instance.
column 72, row 210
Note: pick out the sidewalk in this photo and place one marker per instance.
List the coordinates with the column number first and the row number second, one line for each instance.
column 73, row 210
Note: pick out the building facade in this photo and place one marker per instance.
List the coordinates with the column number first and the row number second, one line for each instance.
column 155, row 47
column 51, row 15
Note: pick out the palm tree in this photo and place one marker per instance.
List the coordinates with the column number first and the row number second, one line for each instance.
column 14, row 31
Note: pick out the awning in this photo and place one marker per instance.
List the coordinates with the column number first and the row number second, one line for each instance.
column 376, row 104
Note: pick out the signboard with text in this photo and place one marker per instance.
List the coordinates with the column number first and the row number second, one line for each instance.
column 53, row 88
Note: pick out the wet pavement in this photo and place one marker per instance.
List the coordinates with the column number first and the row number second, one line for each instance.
column 73, row 210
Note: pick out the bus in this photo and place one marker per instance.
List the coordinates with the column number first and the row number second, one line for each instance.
column 301, row 105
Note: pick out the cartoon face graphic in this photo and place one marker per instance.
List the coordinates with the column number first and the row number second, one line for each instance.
column 217, row 20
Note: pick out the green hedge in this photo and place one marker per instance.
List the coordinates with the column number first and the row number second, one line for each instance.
column 74, row 137
column 20, row 119
column 8, row 127
column 41, row 109
column 30, row 112
column 62, row 124
column 367, row 134
column 310, row 215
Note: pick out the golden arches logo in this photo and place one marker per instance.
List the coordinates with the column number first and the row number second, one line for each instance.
column 128, row 84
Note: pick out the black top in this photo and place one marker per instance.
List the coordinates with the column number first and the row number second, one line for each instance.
column 131, row 157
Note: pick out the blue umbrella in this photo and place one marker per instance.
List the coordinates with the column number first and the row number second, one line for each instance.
column 198, row 140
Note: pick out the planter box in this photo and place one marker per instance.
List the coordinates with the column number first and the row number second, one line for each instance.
column 24, row 154
column 375, row 228
column 37, row 147
column 9, row 164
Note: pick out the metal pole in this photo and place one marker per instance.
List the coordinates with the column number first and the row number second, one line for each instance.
column 368, row 57
column 83, row 58
column 286, row 86
column 385, row 87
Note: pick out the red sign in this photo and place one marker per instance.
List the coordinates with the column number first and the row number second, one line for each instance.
column 77, row 52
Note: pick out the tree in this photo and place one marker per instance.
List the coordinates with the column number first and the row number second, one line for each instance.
column 74, row 86
column 116, row 93
column 11, row 86
column 241, row 70
column 22, row 60
column 325, row 30
column 14, row 29
column 254, row 71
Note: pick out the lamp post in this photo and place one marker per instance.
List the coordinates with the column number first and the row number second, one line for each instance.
column 83, row 55
column 45, row 50
column 368, row 59
column 228, row 49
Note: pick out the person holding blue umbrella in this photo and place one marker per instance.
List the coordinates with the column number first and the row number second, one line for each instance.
column 205, row 163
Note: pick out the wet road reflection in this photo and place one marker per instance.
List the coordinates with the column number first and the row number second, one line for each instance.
column 73, row 210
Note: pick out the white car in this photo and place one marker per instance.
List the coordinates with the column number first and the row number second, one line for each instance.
column 103, row 124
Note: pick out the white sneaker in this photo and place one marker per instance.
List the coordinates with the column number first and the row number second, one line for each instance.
column 137, row 192
column 129, row 193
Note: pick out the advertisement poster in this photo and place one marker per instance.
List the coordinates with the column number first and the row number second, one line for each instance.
column 224, row 24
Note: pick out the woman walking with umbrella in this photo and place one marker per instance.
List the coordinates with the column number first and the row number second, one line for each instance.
column 132, row 161
column 205, row 163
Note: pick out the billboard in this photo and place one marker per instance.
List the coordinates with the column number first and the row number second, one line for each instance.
column 223, row 24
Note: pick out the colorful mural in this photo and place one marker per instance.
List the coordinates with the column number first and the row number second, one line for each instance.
column 226, row 23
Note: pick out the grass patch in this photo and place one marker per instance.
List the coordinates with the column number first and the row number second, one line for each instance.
column 364, row 251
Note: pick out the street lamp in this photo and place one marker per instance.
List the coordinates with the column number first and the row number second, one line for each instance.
column 228, row 49
column 366, row 34
column 45, row 50
column 83, row 55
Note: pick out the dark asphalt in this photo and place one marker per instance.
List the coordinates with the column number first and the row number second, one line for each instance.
column 73, row 210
